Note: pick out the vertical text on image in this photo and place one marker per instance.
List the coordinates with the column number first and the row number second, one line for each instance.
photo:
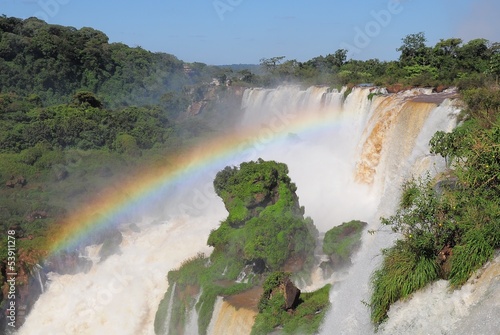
column 11, row 278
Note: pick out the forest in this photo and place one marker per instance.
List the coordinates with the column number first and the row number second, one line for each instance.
column 78, row 112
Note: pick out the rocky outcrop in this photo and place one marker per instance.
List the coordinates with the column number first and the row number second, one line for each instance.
column 67, row 263
column 196, row 107
column 341, row 242
column 111, row 245
column 444, row 261
column 291, row 294
column 279, row 286
column 265, row 231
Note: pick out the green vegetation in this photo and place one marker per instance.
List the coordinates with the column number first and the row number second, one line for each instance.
column 311, row 307
column 448, row 63
column 265, row 223
column 53, row 62
column 450, row 226
column 341, row 241
column 202, row 278
column 78, row 113
column 196, row 279
column 264, row 229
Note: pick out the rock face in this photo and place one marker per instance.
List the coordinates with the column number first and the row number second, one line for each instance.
column 291, row 294
column 111, row 245
column 444, row 261
column 341, row 242
column 279, row 286
column 13, row 181
column 67, row 263
column 266, row 225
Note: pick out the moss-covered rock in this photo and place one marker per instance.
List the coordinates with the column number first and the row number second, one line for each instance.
column 265, row 222
column 264, row 231
column 340, row 242
column 283, row 309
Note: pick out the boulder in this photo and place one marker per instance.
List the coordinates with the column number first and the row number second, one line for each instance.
column 291, row 294
column 279, row 286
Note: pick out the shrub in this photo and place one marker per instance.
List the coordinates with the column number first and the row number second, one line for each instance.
column 127, row 144
column 469, row 256
column 402, row 273
column 459, row 215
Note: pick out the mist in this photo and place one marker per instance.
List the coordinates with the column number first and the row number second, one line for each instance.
column 326, row 140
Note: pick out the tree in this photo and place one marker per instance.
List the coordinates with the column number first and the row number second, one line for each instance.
column 270, row 64
column 448, row 47
column 247, row 76
column 414, row 51
column 494, row 67
column 474, row 56
column 338, row 58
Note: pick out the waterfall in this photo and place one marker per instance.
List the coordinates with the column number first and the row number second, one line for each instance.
column 352, row 168
column 348, row 155
column 229, row 320
column 192, row 324
column 169, row 308
column 37, row 269
column 122, row 294
column 473, row 309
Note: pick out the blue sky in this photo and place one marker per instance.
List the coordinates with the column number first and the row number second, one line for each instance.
column 244, row 31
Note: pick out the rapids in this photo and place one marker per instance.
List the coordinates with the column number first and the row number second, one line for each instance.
column 347, row 154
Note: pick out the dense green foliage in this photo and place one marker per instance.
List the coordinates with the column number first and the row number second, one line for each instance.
column 25, row 126
column 449, row 62
column 311, row 307
column 272, row 281
column 196, row 279
column 265, row 227
column 55, row 62
column 449, row 227
column 341, row 241
column 77, row 112
column 265, row 222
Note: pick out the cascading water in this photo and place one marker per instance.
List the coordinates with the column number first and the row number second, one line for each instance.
column 347, row 156
column 170, row 304
column 121, row 295
column 37, row 269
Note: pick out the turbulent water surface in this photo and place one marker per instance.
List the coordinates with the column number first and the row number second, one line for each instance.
column 348, row 161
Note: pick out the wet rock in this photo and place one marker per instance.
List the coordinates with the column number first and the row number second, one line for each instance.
column 291, row 294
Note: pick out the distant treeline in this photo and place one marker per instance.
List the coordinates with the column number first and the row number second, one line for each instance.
column 449, row 62
column 54, row 62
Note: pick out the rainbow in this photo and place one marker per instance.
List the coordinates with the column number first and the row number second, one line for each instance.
column 145, row 187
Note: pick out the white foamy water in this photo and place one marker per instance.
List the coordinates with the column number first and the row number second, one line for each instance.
column 474, row 309
column 121, row 294
column 349, row 167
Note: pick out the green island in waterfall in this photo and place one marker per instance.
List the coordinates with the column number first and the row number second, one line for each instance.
column 78, row 113
column 265, row 242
